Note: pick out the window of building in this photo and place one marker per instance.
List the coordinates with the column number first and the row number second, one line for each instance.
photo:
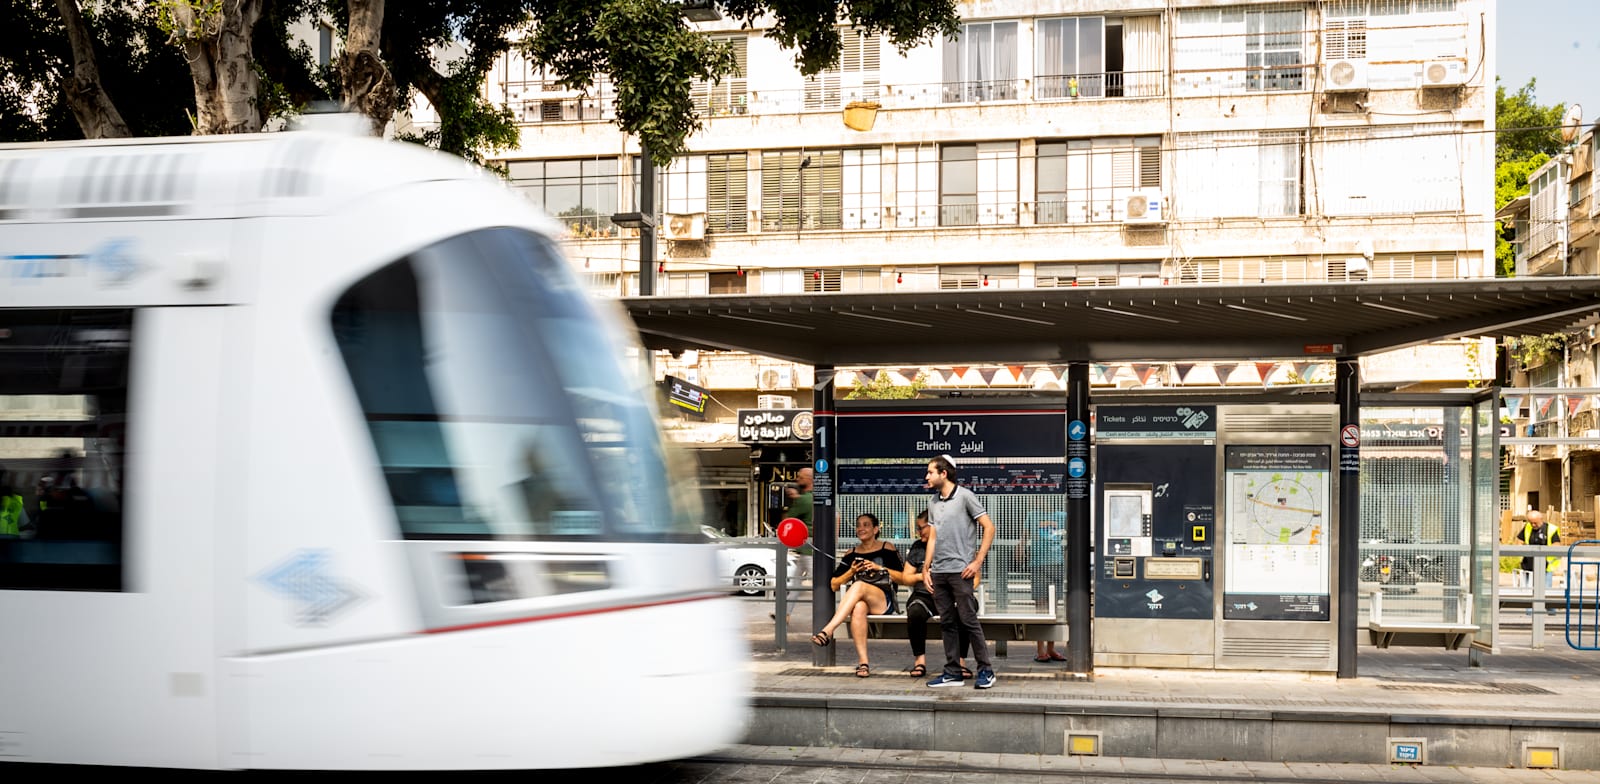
column 916, row 278
column 1393, row 37
column 783, row 281
column 682, row 284
column 978, row 184
column 727, row 200
column 1218, row 51
column 801, row 189
column 823, row 280
column 1073, row 56
column 869, row 279
column 731, row 95
column 580, row 193
column 63, row 425
column 728, row 282
column 853, row 78
column 917, row 186
column 972, row 276
column 1090, row 180
column 863, row 185
column 324, row 44
column 981, row 64
column 1390, row 170
column 1232, row 175
column 1127, row 273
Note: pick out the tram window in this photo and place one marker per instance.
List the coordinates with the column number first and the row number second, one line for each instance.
column 496, row 397
column 63, row 418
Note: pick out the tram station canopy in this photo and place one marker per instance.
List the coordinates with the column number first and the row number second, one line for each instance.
column 1206, row 322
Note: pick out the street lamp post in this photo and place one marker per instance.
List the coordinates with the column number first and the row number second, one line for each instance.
column 644, row 220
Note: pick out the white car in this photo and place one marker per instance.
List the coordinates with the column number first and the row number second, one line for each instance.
column 749, row 564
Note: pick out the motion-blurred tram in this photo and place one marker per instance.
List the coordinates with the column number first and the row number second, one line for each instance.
column 316, row 454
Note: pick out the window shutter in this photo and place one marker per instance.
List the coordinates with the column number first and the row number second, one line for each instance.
column 726, row 198
column 1150, row 167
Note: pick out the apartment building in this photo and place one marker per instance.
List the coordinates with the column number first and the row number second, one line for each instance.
column 1056, row 143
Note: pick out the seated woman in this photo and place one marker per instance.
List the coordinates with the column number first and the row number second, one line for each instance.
column 868, row 569
column 919, row 607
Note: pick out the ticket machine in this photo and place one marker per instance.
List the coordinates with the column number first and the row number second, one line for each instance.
column 1154, row 513
column 1216, row 536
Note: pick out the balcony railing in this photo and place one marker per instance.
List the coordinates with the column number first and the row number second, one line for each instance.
column 1114, row 84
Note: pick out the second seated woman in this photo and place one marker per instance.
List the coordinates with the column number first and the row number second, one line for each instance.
column 867, row 570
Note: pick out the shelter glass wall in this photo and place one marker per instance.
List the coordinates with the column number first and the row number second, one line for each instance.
column 1417, row 496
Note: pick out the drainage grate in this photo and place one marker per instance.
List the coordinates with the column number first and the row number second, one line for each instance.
column 1481, row 688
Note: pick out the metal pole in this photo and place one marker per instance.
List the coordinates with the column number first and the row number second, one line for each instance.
column 647, row 232
column 1347, row 393
column 1080, row 651
column 824, row 528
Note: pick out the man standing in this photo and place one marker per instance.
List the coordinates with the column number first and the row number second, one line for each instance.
column 800, row 508
column 1537, row 531
column 955, row 559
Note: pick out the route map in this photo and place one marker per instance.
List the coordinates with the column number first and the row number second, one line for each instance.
column 1277, row 532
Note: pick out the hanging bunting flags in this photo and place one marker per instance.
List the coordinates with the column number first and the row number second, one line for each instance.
column 1184, row 369
column 987, row 374
column 1304, row 371
column 1145, row 373
column 1264, row 369
column 1573, row 402
column 1513, row 404
column 910, row 374
column 1016, row 372
column 1542, row 404
column 958, row 371
column 1097, row 374
column 1224, row 369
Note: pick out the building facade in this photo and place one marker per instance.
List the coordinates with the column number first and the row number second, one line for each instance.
column 1088, row 143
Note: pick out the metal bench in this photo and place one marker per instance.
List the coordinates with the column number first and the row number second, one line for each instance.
column 1395, row 629
column 998, row 628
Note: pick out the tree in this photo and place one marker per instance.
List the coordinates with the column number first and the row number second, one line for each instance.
column 882, row 388
column 244, row 69
column 1527, row 136
column 120, row 43
column 652, row 56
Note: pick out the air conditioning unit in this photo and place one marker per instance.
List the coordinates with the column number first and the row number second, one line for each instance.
column 1444, row 73
column 1343, row 76
column 774, row 401
column 1144, row 207
column 775, row 378
column 684, row 227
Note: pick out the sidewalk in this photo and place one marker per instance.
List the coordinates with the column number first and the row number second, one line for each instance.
column 1470, row 716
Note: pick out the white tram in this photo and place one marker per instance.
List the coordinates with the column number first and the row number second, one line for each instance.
column 315, row 454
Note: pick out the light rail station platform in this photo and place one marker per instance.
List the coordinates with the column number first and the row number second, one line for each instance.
column 1520, row 702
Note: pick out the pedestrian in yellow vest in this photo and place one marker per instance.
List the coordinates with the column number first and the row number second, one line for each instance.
column 1537, row 532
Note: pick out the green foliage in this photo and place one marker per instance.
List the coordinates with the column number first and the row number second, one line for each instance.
column 469, row 125
column 1525, row 128
column 147, row 79
column 1535, row 350
column 1527, row 138
column 653, row 56
column 882, row 388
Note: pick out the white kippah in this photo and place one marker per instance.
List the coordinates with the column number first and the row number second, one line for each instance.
column 950, row 460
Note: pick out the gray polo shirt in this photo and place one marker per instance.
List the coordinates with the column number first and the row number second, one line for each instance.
column 955, row 519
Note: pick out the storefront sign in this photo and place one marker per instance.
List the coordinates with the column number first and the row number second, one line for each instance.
column 686, row 396
column 994, row 452
column 775, row 425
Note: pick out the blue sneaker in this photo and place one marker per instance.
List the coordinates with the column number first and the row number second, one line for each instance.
column 945, row 680
column 985, row 678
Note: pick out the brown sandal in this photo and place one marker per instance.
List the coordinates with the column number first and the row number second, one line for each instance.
column 863, row 670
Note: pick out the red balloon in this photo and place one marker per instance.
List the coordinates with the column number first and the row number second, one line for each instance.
column 792, row 532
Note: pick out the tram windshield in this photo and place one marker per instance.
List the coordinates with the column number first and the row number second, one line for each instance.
column 498, row 400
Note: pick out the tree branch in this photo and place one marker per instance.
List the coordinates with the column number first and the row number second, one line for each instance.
column 97, row 116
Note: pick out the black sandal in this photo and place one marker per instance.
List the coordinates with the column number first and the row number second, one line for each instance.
column 918, row 670
column 863, row 670
column 821, row 639
column 966, row 674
